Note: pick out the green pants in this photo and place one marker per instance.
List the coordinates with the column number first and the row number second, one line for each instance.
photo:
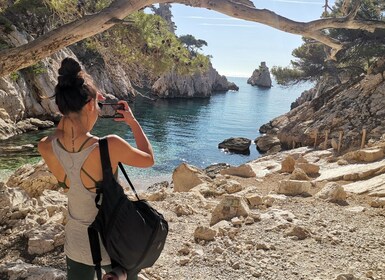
column 79, row 271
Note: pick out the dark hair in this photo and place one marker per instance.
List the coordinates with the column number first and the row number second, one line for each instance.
column 74, row 88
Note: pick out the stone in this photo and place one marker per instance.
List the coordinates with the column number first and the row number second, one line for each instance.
column 229, row 207
column 365, row 155
column 232, row 186
column 21, row 270
column 299, row 174
column 236, row 221
column 266, row 142
column 294, row 187
column 33, row 179
column 299, row 232
column 244, row 170
column 45, row 238
column 254, row 200
column 186, row 177
column 287, row 164
column 308, row 168
column 346, row 276
column 183, row 210
column 236, row 144
column 204, row 233
column 378, row 202
column 332, row 192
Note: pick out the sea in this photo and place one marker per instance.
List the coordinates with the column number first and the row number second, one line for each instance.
column 184, row 130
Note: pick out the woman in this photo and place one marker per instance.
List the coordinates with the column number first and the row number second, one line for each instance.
column 72, row 155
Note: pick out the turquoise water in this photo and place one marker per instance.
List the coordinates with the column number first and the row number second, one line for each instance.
column 189, row 130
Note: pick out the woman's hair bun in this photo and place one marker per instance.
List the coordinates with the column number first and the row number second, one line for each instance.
column 69, row 67
column 69, row 73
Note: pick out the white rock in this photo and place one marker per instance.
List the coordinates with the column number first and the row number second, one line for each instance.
column 204, row 233
column 230, row 206
column 244, row 170
column 294, row 187
column 332, row 192
column 232, row 186
column 185, row 177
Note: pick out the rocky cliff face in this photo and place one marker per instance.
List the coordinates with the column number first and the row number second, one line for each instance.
column 349, row 108
column 25, row 94
column 197, row 85
column 261, row 77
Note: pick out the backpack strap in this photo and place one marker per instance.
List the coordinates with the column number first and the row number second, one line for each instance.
column 128, row 180
column 105, row 159
column 93, row 236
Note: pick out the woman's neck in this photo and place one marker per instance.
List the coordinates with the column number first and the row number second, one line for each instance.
column 74, row 131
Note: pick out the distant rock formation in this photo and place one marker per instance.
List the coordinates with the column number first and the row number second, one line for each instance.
column 197, row 85
column 261, row 77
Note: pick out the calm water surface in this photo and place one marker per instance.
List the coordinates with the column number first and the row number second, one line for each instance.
column 183, row 130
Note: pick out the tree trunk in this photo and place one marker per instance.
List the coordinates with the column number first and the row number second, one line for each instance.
column 28, row 54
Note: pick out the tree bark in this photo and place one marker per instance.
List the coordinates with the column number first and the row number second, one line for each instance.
column 32, row 52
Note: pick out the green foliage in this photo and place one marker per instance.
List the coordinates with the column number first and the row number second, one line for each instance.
column 148, row 45
column 38, row 68
column 361, row 48
column 192, row 44
column 36, row 7
column 6, row 23
column 15, row 76
column 286, row 75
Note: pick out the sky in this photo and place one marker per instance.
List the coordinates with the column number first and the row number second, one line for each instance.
column 238, row 46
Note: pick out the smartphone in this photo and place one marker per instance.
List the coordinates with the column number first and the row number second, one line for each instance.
column 108, row 110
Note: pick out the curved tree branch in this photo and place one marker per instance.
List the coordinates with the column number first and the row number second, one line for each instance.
column 32, row 52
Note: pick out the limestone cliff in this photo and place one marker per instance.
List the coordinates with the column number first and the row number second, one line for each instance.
column 197, row 85
column 25, row 93
column 351, row 107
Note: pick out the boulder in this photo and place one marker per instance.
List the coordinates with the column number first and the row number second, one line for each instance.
column 186, row 177
column 229, row 207
column 34, row 179
column 294, row 187
column 254, row 200
column 237, row 144
column 261, row 77
column 308, row 168
column 266, row 143
column 232, row 186
column 287, row 164
column 204, row 233
column 378, row 202
column 21, row 270
column 332, row 192
column 299, row 174
column 244, row 170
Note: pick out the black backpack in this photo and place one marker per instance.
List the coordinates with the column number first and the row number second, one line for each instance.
column 132, row 232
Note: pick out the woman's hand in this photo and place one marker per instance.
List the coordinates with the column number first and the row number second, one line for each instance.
column 128, row 116
column 110, row 276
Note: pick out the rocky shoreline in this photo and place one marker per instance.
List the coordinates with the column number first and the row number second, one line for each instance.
column 300, row 214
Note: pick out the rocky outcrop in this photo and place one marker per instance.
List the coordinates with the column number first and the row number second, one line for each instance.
column 348, row 108
column 198, row 85
column 261, row 77
column 236, row 145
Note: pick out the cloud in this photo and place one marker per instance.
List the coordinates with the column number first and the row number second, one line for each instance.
column 212, row 18
column 227, row 25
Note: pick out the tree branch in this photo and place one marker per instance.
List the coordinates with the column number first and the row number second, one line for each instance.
column 28, row 54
